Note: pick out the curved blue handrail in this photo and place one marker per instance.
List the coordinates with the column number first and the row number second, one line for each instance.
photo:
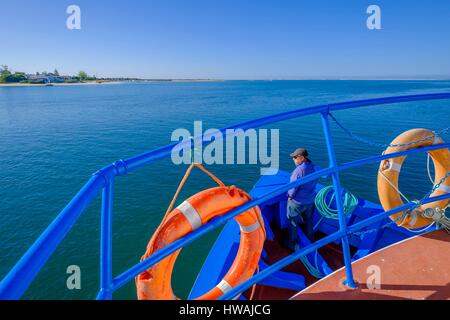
column 23, row 273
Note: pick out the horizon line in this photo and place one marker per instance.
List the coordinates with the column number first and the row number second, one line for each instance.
column 446, row 78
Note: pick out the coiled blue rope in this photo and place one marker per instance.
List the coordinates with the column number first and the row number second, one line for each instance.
column 325, row 209
column 324, row 206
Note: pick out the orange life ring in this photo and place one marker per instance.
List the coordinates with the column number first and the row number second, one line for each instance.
column 389, row 171
column 155, row 283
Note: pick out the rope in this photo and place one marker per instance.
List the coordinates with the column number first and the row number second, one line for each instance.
column 318, row 223
column 384, row 145
column 423, row 229
column 221, row 184
column 440, row 219
column 183, row 181
column 428, row 168
column 393, row 186
column 254, row 286
column 313, row 270
column 403, row 196
column 324, row 208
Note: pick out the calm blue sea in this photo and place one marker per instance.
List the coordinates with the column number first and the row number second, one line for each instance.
column 53, row 138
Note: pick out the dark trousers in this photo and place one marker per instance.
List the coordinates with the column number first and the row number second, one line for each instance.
column 299, row 214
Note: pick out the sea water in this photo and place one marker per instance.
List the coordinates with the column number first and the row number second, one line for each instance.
column 53, row 138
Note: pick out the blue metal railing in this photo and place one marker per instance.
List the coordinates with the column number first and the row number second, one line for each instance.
column 23, row 273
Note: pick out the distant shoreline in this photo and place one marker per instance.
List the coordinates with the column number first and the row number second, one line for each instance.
column 63, row 84
column 89, row 83
column 94, row 83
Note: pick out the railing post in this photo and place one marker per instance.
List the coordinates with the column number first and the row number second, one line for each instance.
column 106, row 242
column 350, row 282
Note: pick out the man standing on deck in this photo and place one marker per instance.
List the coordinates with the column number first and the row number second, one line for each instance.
column 300, row 206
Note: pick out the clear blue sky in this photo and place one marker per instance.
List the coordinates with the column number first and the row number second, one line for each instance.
column 228, row 39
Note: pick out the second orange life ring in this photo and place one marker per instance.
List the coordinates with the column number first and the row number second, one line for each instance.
column 155, row 283
column 389, row 172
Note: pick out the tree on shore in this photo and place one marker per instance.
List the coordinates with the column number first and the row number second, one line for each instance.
column 83, row 76
column 7, row 76
column 4, row 74
column 56, row 73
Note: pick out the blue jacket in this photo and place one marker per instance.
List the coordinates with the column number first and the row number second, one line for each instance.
column 305, row 193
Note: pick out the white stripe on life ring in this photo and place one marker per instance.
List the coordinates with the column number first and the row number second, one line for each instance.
column 444, row 188
column 250, row 228
column 395, row 166
column 191, row 215
column 224, row 286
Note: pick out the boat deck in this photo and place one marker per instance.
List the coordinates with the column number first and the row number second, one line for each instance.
column 332, row 254
column 416, row 268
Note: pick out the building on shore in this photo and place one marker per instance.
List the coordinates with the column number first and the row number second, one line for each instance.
column 45, row 78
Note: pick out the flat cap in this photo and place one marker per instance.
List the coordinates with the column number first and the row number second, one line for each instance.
column 300, row 152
